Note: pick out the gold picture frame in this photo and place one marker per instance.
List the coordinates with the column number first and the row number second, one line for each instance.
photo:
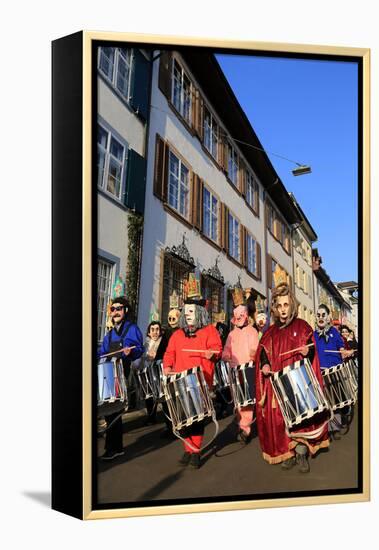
column 73, row 82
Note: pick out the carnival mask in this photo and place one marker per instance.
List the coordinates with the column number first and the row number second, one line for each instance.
column 190, row 314
column 240, row 316
column 173, row 318
column 261, row 320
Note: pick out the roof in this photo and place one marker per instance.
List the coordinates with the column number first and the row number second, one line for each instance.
column 209, row 75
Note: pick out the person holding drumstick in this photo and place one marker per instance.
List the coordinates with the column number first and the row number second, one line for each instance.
column 196, row 343
column 125, row 338
column 288, row 340
column 240, row 347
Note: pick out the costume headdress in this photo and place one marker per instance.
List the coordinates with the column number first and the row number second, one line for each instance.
column 219, row 317
column 279, row 276
column 174, row 300
column 238, row 297
column 260, row 305
column 154, row 315
column 192, row 291
column 118, row 288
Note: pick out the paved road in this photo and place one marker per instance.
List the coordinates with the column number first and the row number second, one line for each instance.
column 149, row 470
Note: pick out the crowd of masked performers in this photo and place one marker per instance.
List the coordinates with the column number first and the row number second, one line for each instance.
column 191, row 340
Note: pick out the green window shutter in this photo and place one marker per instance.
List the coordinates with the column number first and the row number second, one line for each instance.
column 134, row 197
column 140, row 84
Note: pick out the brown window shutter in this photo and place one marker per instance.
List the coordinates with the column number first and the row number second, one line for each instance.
column 267, row 216
column 259, row 260
column 223, row 152
column 269, row 271
column 165, row 73
column 197, row 202
column 224, row 241
column 290, row 283
column 198, row 113
column 242, row 177
column 160, row 172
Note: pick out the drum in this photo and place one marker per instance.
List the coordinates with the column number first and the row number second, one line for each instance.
column 352, row 367
column 298, row 393
column 187, row 397
column 221, row 375
column 150, row 380
column 339, row 387
column 242, row 383
column 112, row 394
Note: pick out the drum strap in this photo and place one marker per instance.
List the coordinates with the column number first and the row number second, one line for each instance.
column 195, row 449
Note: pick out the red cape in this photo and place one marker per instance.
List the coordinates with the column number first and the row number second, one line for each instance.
column 275, row 443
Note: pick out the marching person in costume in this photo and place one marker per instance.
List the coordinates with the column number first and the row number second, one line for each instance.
column 173, row 315
column 126, row 338
column 286, row 334
column 241, row 346
column 195, row 333
column 261, row 321
column 223, row 396
column 328, row 339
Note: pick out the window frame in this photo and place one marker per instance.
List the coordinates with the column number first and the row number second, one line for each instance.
column 181, row 107
column 115, row 70
column 251, row 236
column 112, row 266
column 212, row 195
column 188, row 190
column 238, row 233
column 111, row 134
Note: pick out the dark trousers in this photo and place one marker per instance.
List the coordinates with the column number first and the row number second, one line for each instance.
column 151, row 408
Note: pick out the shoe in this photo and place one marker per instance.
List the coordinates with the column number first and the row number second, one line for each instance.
column 110, row 455
column 289, row 463
column 244, row 437
column 184, row 461
column 303, row 463
column 195, row 461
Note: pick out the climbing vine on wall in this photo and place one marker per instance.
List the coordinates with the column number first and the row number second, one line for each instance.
column 135, row 224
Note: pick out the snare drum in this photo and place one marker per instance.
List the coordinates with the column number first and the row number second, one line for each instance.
column 112, row 394
column 298, row 393
column 242, row 383
column 221, row 375
column 150, row 380
column 339, row 387
column 352, row 367
column 187, row 397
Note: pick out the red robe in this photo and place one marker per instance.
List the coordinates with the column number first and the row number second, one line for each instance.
column 206, row 338
column 275, row 443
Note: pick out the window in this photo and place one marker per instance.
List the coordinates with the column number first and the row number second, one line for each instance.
column 213, row 292
column 251, row 191
column 175, row 273
column 232, row 165
column 114, row 64
column 210, row 215
column 210, row 133
column 305, row 282
column 181, row 92
column 178, row 185
column 105, row 275
column 234, row 238
column 270, row 218
column 298, row 278
column 252, row 264
column 111, row 162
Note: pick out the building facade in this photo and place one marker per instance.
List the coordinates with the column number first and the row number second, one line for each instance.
column 349, row 291
column 123, row 87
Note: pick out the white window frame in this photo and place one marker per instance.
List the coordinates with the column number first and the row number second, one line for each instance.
column 110, row 158
column 251, row 190
column 105, row 295
column 232, row 164
column 212, row 134
column 213, row 209
column 182, row 101
column 252, row 254
column 179, row 199
column 234, row 238
column 121, row 56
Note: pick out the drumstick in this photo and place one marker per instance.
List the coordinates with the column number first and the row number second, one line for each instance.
column 114, row 352
column 296, row 349
column 202, row 350
column 331, row 351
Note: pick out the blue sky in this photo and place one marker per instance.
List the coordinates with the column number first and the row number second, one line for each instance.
column 307, row 111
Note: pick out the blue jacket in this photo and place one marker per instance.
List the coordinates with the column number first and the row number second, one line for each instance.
column 129, row 335
column 335, row 343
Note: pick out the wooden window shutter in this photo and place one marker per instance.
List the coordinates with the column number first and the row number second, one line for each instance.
column 259, row 260
column 242, row 177
column 198, row 113
column 197, row 202
column 160, row 171
column 165, row 73
column 269, row 270
column 223, row 152
column 224, row 233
